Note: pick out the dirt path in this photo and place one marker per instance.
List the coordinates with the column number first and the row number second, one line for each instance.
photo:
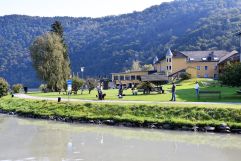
column 121, row 101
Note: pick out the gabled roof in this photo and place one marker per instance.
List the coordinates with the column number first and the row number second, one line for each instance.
column 228, row 56
column 201, row 55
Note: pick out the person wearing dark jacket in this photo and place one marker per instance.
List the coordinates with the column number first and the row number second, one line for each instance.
column 173, row 92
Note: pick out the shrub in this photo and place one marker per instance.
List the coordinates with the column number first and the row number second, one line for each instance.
column 91, row 84
column 185, row 76
column 3, row 87
column 43, row 88
column 77, row 84
column 17, row 88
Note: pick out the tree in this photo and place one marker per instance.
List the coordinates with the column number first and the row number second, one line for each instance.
column 91, row 84
column 146, row 86
column 47, row 54
column 17, row 88
column 3, row 87
column 136, row 66
column 58, row 29
column 77, row 84
column 185, row 76
column 147, row 67
column 231, row 75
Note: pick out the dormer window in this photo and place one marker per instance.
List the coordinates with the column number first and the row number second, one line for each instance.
column 215, row 58
column 204, row 59
column 191, row 59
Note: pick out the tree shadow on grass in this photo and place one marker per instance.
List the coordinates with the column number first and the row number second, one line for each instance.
column 227, row 95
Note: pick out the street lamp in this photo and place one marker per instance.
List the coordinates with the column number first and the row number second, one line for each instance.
column 82, row 71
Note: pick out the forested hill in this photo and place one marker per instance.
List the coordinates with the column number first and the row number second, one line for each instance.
column 109, row 44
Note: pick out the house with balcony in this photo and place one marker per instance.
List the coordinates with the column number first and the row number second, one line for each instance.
column 199, row 64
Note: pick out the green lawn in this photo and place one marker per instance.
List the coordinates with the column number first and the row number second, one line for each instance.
column 185, row 93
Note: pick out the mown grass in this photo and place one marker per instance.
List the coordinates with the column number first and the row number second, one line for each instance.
column 189, row 115
column 185, row 93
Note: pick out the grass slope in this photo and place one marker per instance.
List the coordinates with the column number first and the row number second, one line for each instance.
column 185, row 93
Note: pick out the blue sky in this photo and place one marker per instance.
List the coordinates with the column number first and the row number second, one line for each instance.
column 74, row 8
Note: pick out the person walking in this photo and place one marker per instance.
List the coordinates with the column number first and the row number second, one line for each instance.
column 173, row 92
column 99, row 92
column 120, row 93
column 197, row 88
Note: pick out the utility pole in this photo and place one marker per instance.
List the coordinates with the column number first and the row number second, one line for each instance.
column 239, row 35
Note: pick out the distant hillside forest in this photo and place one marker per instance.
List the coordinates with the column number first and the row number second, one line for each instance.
column 110, row 44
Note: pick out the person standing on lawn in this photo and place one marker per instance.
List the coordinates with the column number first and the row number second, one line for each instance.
column 197, row 88
column 173, row 92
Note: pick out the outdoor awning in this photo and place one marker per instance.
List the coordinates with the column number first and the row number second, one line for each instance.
column 154, row 78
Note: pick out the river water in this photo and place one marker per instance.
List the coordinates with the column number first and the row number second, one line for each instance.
column 28, row 140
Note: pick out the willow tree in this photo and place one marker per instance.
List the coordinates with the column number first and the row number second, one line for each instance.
column 47, row 54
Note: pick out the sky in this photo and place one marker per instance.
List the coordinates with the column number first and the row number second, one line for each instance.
column 74, row 8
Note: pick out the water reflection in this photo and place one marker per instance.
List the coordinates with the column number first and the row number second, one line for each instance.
column 25, row 139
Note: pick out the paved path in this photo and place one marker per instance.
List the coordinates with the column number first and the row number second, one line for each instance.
column 120, row 101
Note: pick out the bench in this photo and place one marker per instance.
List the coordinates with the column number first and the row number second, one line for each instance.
column 238, row 92
column 140, row 90
column 210, row 93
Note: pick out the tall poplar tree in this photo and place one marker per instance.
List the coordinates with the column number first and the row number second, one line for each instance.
column 57, row 28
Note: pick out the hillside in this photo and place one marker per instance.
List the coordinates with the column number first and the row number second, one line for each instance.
column 109, row 44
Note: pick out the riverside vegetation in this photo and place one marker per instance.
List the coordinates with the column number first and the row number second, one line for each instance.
column 216, row 118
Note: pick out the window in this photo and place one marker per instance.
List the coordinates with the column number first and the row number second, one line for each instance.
column 198, row 76
column 138, row 77
column 170, row 59
column 170, row 67
column 167, row 67
column 116, row 78
column 215, row 76
column 127, row 77
column 215, row 67
column 167, row 59
column 205, row 75
column 198, row 67
column 206, row 67
column 121, row 77
column 133, row 77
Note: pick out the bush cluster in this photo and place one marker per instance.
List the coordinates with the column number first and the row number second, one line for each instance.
column 17, row 87
column 3, row 87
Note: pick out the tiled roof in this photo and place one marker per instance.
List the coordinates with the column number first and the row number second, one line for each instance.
column 228, row 56
column 201, row 55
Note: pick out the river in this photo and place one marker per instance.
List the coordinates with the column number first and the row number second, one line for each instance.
column 28, row 140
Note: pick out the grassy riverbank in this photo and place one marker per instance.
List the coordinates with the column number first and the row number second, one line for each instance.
column 141, row 115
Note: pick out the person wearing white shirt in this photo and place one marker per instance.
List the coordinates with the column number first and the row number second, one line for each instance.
column 197, row 88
